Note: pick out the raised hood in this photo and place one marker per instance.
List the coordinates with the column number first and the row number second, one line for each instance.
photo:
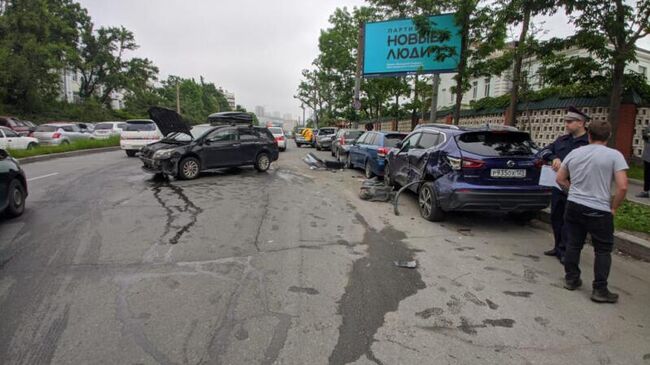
column 168, row 121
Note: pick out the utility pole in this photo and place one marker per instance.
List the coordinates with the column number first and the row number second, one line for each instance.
column 434, row 98
column 178, row 99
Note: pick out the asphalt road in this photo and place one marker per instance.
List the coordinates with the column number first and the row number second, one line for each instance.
column 108, row 266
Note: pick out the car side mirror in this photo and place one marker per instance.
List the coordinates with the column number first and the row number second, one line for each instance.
column 398, row 145
column 206, row 142
column 3, row 154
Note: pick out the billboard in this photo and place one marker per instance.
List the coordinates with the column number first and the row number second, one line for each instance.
column 394, row 47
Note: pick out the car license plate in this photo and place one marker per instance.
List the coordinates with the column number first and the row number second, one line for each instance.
column 508, row 173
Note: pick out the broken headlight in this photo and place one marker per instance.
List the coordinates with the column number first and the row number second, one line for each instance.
column 163, row 154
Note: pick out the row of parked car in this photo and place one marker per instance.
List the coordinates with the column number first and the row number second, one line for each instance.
column 450, row 168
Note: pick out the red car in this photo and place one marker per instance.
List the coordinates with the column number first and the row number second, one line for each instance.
column 16, row 125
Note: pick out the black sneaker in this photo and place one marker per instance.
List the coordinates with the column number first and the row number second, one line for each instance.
column 604, row 296
column 572, row 284
column 551, row 252
column 643, row 194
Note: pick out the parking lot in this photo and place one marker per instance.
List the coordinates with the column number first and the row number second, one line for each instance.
column 108, row 265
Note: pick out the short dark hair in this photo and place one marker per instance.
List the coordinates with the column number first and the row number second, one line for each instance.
column 600, row 131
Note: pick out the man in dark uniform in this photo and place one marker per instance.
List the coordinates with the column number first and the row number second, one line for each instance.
column 575, row 122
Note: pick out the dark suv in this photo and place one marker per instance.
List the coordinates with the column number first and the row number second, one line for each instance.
column 232, row 141
column 462, row 169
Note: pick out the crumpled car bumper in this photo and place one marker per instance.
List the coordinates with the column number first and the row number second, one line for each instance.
column 155, row 166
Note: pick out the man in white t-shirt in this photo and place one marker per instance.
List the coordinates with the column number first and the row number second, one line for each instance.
column 587, row 174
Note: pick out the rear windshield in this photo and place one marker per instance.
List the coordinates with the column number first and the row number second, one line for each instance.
column 496, row 144
column 46, row 128
column 390, row 140
column 275, row 130
column 104, row 126
column 140, row 126
column 353, row 134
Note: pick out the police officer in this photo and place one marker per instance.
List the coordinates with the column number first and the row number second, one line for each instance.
column 575, row 123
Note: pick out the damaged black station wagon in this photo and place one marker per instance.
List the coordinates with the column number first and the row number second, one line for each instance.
column 231, row 140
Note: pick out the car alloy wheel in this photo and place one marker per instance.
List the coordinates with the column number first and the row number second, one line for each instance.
column 425, row 201
column 190, row 168
column 263, row 162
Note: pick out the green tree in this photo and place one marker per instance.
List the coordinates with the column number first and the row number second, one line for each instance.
column 610, row 30
column 38, row 38
column 103, row 67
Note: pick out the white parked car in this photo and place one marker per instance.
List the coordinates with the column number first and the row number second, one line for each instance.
column 12, row 140
column 137, row 134
column 278, row 134
column 59, row 133
column 105, row 130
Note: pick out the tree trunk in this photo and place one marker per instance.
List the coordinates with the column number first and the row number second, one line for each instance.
column 462, row 65
column 615, row 98
column 516, row 74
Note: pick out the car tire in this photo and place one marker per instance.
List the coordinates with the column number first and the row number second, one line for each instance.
column 262, row 162
column 428, row 203
column 283, row 149
column 15, row 199
column 32, row 145
column 368, row 170
column 348, row 162
column 189, row 168
column 318, row 148
column 130, row 153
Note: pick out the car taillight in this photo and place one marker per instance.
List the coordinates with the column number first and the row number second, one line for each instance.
column 382, row 151
column 279, row 138
column 56, row 135
column 468, row 163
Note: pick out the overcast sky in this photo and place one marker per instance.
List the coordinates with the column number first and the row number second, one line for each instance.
column 253, row 48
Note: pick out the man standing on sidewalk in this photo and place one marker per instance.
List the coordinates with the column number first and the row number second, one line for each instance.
column 590, row 208
column 555, row 153
column 646, row 164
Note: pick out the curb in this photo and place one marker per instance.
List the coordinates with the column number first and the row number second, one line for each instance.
column 51, row 156
column 635, row 182
column 627, row 243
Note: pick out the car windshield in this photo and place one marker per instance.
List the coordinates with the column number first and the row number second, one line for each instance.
column 276, row 130
column 140, row 126
column 390, row 140
column 497, row 143
column 46, row 128
column 104, row 126
column 199, row 130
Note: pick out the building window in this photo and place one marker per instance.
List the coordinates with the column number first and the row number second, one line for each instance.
column 643, row 70
column 487, row 87
column 474, row 89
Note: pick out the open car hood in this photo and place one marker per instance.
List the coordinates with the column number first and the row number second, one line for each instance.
column 168, row 121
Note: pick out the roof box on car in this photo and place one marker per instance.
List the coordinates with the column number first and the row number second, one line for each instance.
column 230, row 118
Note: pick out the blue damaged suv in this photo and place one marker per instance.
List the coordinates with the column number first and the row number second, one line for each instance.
column 462, row 169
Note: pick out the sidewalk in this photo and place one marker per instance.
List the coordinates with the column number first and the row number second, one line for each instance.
column 635, row 187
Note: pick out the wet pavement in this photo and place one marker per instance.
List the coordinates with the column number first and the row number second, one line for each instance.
column 287, row 267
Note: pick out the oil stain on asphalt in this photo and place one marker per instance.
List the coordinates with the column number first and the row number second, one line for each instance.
column 375, row 287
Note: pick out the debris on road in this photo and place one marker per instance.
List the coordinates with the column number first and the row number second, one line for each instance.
column 406, row 264
column 375, row 190
column 316, row 163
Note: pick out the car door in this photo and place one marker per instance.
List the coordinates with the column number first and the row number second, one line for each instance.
column 417, row 156
column 355, row 149
column 221, row 148
column 250, row 145
column 400, row 166
column 4, row 143
column 14, row 140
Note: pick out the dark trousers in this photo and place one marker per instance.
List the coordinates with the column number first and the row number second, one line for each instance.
column 558, row 206
column 646, row 176
column 581, row 220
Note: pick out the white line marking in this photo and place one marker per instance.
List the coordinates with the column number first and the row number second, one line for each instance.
column 42, row 177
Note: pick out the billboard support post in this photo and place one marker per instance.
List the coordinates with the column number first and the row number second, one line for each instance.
column 357, row 79
column 434, row 97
